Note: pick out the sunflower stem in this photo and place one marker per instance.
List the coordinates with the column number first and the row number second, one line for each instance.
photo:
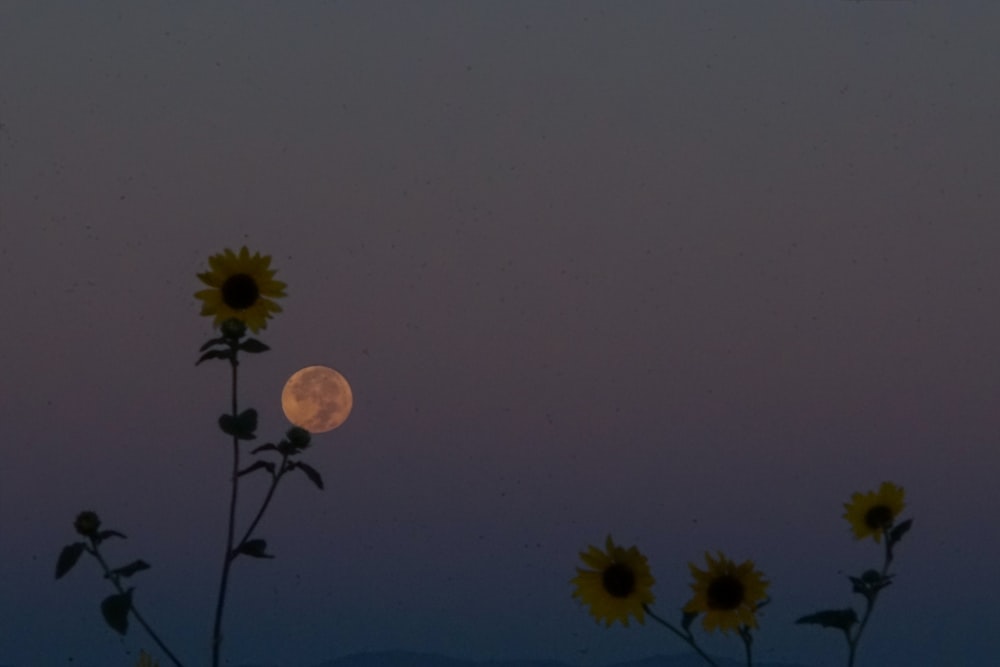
column 230, row 530
column 852, row 642
column 267, row 500
column 115, row 581
column 747, row 641
column 686, row 636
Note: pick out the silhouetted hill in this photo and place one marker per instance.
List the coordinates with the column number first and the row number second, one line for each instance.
column 408, row 659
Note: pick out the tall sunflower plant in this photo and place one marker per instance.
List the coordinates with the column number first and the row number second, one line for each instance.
column 871, row 515
column 616, row 583
column 240, row 294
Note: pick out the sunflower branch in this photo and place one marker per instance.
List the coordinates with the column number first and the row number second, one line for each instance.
column 686, row 635
column 115, row 579
column 870, row 597
column 275, row 478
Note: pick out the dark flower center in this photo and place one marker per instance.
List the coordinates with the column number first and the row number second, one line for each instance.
column 618, row 580
column 240, row 291
column 878, row 517
column 725, row 592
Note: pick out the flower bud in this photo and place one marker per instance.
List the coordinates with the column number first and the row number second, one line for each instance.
column 298, row 437
column 87, row 523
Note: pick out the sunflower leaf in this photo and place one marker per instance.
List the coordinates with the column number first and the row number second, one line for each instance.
column 254, row 549
column 246, row 422
column 687, row 619
column 896, row 534
column 841, row 619
column 263, row 448
column 212, row 341
column 128, row 570
column 257, row 465
column 242, row 426
column 214, row 354
column 115, row 609
column 253, row 346
column 310, row 472
column 68, row 557
column 105, row 534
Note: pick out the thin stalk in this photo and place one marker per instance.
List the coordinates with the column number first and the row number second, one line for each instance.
column 747, row 642
column 686, row 635
column 94, row 550
column 267, row 500
column 852, row 642
column 230, row 530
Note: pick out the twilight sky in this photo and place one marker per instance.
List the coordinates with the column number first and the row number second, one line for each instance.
column 690, row 273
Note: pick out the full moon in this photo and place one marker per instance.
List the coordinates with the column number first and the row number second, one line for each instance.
column 317, row 399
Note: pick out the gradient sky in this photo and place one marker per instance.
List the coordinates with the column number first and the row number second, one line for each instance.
column 690, row 273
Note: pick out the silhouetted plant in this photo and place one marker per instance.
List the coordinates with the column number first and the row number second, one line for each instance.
column 873, row 515
column 240, row 293
column 619, row 585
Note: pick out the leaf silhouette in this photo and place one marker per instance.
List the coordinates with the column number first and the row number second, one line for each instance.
column 115, row 609
column 68, row 557
column 311, row 473
column 130, row 569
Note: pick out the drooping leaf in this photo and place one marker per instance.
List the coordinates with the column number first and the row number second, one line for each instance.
column 687, row 618
column 210, row 342
column 311, row 473
column 263, row 448
column 68, row 557
column 253, row 346
column 841, row 619
column 115, row 609
column 896, row 534
column 255, row 549
column 214, row 354
column 105, row 534
column 130, row 569
column 257, row 465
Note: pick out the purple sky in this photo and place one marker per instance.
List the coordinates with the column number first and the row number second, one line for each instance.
column 690, row 273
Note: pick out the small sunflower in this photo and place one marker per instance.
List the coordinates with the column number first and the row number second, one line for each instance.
column 242, row 286
column 146, row 660
column 726, row 593
column 870, row 514
column 618, row 586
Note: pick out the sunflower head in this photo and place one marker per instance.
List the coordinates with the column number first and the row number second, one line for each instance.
column 871, row 514
column 726, row 593
column 241, row 286
column 617, row 586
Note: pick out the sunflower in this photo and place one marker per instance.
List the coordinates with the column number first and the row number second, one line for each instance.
column 242, row 286
column 728, row 594
column 619, row 585
column 146, row 660
column 870, row 514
